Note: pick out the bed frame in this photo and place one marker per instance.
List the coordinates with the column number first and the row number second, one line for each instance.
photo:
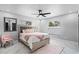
column 35, row 45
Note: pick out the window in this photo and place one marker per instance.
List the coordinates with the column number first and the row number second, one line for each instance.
column 10, row 24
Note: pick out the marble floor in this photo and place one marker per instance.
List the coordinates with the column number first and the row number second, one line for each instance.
column 70, row 47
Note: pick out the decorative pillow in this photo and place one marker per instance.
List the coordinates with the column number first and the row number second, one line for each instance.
column 6, row 37
column 26, row 38
column 27, row 31
column 23, row 31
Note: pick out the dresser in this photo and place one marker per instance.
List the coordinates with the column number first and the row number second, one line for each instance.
column 55, row 30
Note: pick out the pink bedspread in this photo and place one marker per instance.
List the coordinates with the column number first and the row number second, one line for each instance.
column 39, row 35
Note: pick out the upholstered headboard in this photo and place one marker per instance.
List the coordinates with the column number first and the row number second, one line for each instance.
column 24, row 27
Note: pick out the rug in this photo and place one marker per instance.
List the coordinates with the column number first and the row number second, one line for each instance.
column 49, row 49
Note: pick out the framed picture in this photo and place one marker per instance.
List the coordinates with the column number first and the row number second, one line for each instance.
column 10, row 24
column 54, row 23
column 28, row 23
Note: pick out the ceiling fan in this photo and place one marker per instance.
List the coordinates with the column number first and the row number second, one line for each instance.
column 42, row 14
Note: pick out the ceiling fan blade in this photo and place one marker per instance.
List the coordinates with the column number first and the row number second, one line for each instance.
column 43, row 15
column 40, row 13
column 46, row 13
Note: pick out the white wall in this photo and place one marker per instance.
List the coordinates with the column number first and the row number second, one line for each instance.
column 69, row 23
column 36, row 24
column 44, row 25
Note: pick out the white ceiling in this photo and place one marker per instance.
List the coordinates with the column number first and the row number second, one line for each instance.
column 30, row 9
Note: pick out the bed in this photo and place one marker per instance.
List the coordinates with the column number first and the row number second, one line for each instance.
column 32, row 39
